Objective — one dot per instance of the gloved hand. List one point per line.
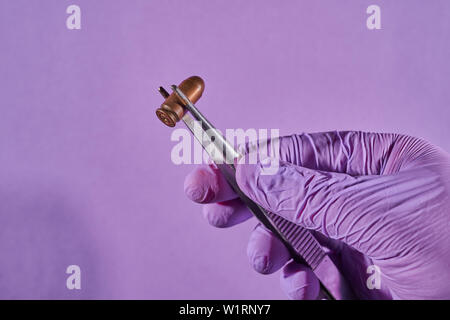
(372, 199)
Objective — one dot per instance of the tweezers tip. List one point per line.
(163, 92)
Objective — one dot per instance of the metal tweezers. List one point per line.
(301, 243)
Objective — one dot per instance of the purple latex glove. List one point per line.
(372, 199)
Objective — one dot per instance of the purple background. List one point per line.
(85, 170)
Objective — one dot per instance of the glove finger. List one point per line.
(299, 282)
(226, 214)
(265, 252)
(351, 152)
(206, 184)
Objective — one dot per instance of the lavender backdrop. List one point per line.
(85, 170)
